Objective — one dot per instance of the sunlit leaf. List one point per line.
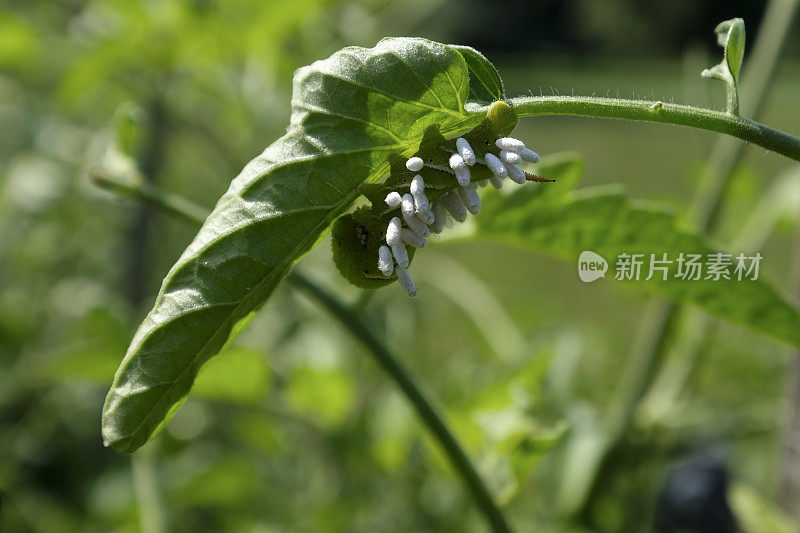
(485, 84)
(349, 112)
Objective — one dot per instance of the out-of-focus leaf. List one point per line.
(756, 514)
(230, 481)
(238, 375)
(18, 43)
(518, 438)
(605, 221)
(91, 349)
(349, 112)
(325, 396)
(127, 128)
(778, 202)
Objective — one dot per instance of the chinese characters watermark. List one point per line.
(663, 266)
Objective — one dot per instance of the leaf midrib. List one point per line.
(414, 103)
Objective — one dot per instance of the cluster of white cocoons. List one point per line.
(418, 217)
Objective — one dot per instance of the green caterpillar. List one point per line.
(440, 179)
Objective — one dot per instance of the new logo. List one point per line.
(591, 266)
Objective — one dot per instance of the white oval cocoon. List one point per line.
(400, 254)
(529, 155)
(439, 217)
(405, 281)
(471, 199)
(385, 261)
(511, 144)
(409, 215)
(417, 185)
(393, 199)
(457, 162)
(510, 157)
(465, 151)
(426, 216)
(421, 204)
(496, 166)
(393, 232)
(515, 173)
(409, 237)
(455, 206)
(415, 164)
(463, 176)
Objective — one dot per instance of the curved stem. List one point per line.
(427, 413)
(663, 322)
(431, 418)
(666, 113)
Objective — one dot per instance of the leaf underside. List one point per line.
(349, 112)
(564, 224)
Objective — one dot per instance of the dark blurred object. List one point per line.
(694, 498)
(624, 27)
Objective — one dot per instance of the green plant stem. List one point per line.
(660, 323)
(727, 153)
(732, 100)
(136, 188)
(150, 159)
(665, 113)
(431, 418)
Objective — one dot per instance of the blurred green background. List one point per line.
(294, 428)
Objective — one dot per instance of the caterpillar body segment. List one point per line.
(441, 177)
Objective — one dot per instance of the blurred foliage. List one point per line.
(293, 429)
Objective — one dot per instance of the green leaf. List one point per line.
(238, 375)
(19, 42)
(512, 414)
(325, 396)
(756, 513)
(127, 122)
(731, 36)
(485, 84)
(607, 222)
(349, 112)
(228, 481)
